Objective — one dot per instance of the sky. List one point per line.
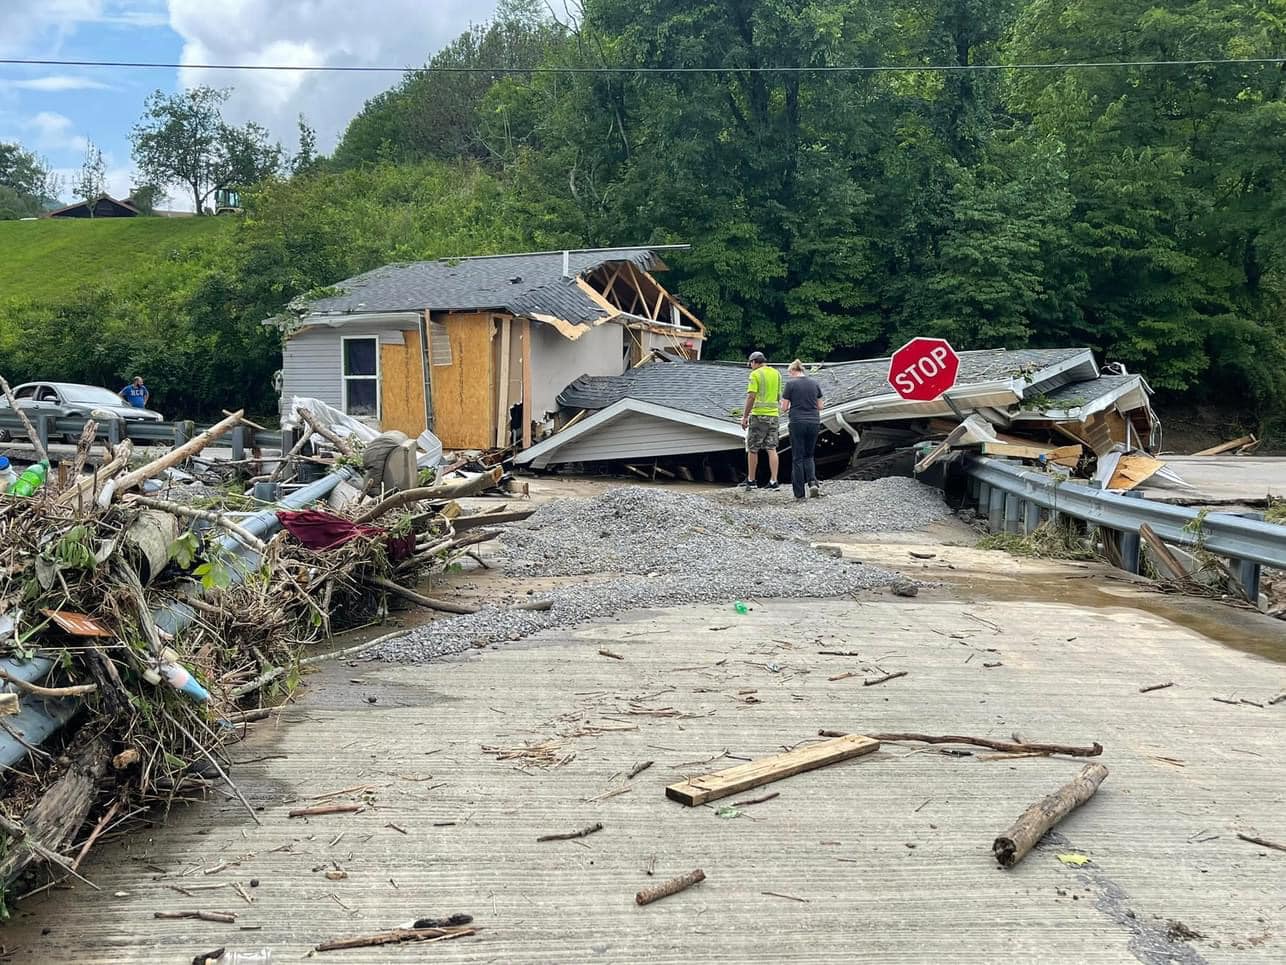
(57, 111)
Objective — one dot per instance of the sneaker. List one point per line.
(774, 485)
(814, 490)
(748, 484)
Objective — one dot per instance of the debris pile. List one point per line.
(132, 627)
(638, 547)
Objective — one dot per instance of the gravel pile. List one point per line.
(653, 547)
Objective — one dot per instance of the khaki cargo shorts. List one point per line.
(763, 433)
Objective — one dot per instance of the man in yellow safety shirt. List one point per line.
(761, 419)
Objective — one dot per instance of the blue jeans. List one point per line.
(803, 444)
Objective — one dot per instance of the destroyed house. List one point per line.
(477, 349)
(679, 408)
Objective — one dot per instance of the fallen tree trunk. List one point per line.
(177, 454)
(54, 820)
(1013, 747)
(341, 444)
(418, 598)
(447, 490)
(1013, 845)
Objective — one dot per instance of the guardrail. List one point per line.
(53, 428)
(1017, 500)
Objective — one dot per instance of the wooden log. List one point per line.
(671, 887)
(1013, 845)
(418, 598)
(491, 519)
(32, 434)
(54, 820)
(178, 454)
(338, 442)
(74, 495)
(711, 787)
(396, 937)
(219, 519)
(1169, 562)
(1094, 750)
(454, 489)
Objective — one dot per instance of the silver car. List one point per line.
(71, 400)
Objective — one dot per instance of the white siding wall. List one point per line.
(556, 361)
(310, 363)
(635, 435)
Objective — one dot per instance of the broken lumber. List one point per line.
(1132, 470)
(671, 887)
(395, 937)
(177, 454)
(1013, 845)
(461, 523)
(93, 481)
(448, 490)
(1094, 750)
(711, 787)
(325, 809)
(1227, 446)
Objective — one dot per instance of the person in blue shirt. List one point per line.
(136, 393)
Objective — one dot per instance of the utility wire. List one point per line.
(838, 69)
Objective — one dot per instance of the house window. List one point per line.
(362, 375)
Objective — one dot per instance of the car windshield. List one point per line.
(89, 393)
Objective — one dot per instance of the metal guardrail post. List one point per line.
(115, 431)
(996, 509)
(238, 443)
(44, 425)
(181, 433)
(1130, 548)
(1031, 516)
(1248, 573)
(984, 496)
(1012, 515)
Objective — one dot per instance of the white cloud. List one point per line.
(56, 83)
(328, 32)
(54, 132)
(23, 20)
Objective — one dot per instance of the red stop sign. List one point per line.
(923, 368)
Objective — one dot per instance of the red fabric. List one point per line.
(322, 531)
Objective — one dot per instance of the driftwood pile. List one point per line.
(92, 573)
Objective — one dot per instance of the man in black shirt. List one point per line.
(801, 400)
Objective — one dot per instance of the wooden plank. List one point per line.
(502, 386)
(402, 385)
(1132, 470)
(528, 415)
(734, 780)
(1227, 446)
(464, 408)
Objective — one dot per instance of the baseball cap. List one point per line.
(757, 357)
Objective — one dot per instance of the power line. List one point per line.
(838, 69)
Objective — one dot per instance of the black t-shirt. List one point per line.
(802, 393)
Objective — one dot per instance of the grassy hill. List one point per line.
(47, 258)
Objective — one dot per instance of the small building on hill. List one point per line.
(103, 206)
(478, 349)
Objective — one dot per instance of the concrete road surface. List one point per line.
(460, 766)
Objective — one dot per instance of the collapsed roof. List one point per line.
(544, 285)
(674, 407)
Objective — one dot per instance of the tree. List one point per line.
(305, 158)
(183, 139)
(145, 197)
(92, 179)
(26, 184)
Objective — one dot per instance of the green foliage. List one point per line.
(1049, 541)
(183, 551)
(26, 183)
(183, 140)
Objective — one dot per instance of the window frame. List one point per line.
(345, 378)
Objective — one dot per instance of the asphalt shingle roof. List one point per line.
(524, 285)
(717, 389)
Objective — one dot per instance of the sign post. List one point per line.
(923, 369)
